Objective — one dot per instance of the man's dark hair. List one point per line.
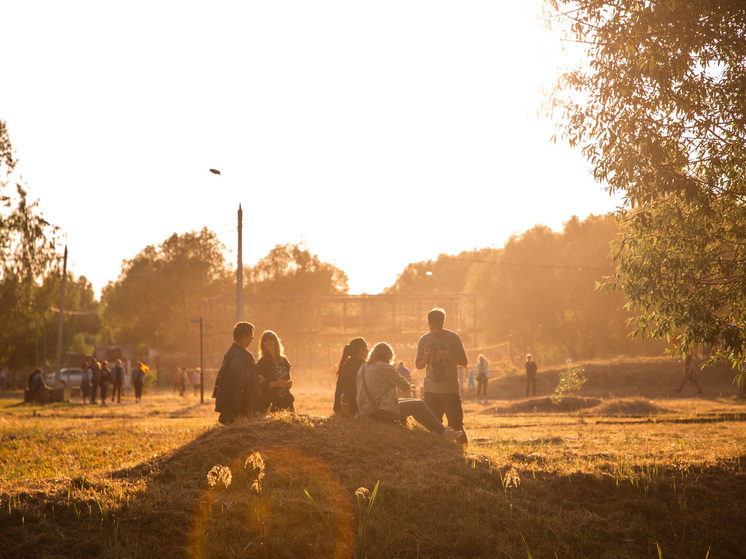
(242, 329)
(436, 316)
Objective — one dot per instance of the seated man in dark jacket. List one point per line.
(237, 387)
(36, 385)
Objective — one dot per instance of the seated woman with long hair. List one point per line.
(353, 356)
(274, 368)
(377, 383)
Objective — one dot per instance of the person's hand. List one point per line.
(289, 383)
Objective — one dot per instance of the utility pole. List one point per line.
(239, 271)
(58, 360)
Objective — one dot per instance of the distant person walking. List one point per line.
(353, 356)
(95, 380)
(689, 374)
(483, 376)
(530, 375)
(377, 385)
(118, 381)
(274, 368)
(440, 352)
(237, 389)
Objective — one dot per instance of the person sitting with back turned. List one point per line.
(377, 383)
(237, 386)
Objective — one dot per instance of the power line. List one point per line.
(526, 265)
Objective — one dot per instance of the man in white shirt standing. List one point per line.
(441, 352)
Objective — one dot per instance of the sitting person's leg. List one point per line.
(411, 407)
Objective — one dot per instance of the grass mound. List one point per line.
(549, 404)
(309, 486)
(628, 407)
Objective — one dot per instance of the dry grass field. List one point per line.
(626, 467)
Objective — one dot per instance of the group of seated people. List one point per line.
(367, 383)
(370, 388)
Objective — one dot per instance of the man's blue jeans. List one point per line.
(448, 404)
(411, 407)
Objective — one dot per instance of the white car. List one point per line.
(71, 378)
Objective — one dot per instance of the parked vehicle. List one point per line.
(71, 378)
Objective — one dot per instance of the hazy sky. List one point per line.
(377, 133)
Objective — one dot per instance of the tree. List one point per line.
(540, 292)
(447, 274)
(293, 270)
(27, 253)
(659, 111)
(149, 304)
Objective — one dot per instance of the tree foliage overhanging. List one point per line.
(659, 110)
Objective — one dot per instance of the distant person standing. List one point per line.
(104, 381)
(183, 381)
(176, 377)
(689, 374)
(138, 379)
(440, 352)
(85, 382)
(354, 355)
(196, 380)
(471, 380)
(483, 376)
(274, 368)
(95, 379)
(118, 381)
(3, 379)
(237, 386)
(530, 374)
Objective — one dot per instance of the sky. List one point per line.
(376, 134)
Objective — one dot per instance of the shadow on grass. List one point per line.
(434, 501)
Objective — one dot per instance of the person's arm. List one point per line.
(422, 357)
(393, 376)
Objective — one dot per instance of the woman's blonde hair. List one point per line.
(270, 335)
(381, 352)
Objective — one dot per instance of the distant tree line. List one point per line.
(539, 292)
